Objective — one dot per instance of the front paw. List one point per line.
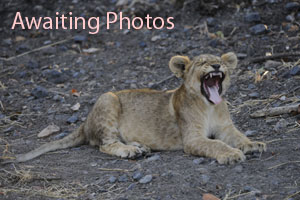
(253, 147)
(231, 157)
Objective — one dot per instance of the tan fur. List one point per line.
(130, 123)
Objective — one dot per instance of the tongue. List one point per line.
(214, 95)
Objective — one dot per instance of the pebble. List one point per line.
(39, 92)
(131, 186)
(55, 76)
(202, 170)
(251, 86)
(72, 119)
(250, 133)
(93, 164)
(290, 18)
(282, 123)
(79, 38)
(61, 135)
(251, 189)
(241, 55)
(238, 169)
(146, 179)
(22, 48)
(211, 21)
(252, 17)
(254, 95)
(49, 51)
(295, 70)
(258, 29)
(204, 179)
(272, 64)
(198, 161)
(153, 158)
(291, 6)
(112, 179)
(32, 64)
(59, 98)
(142, 44)
(123, 178)
(7, 41)
(137, 175)
(155, 38)
(38, 8)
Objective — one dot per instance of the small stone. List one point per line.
(251, 86)
(295, 70)
(38, 8)
(49, 51)
(48, 131)
(72, 119)
(241, 55)
(211, 21)
(252, 17)
(93, 164)
(290, 18)
(146, 179)
(137, 175)
(79, 38)
(291, 6)
(32, 64)
(254, 95)
(272, 64)
(202, 170)
(7, 41)
(123, 178)
(238, 168)
(131, 186)
(204, 179)
(155, 38)
(282, 123)
(153, 158)
(283, 98)
(198, 161)
(55, 76)
(22, 48)
(58, 98)
(258, 29)
(250, 133)
(39, 92)
(112, 179)
(142, 44)
(61, 135)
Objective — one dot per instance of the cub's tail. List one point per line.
(74, 139)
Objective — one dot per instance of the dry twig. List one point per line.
(279, 165)
(35, 50)
(276, 111)
(274, 56)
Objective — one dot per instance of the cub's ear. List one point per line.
(230, 60)
(178, 64)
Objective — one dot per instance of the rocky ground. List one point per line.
(58, 69)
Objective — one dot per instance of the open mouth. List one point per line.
(211, 86)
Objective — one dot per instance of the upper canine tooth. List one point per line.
(210, 74)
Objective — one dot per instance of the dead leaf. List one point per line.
(90, 50)
(75, 93)
(75, 107)
(208, 196)
(48, 131)
(20, 38)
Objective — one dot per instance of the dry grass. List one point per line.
(17, 182)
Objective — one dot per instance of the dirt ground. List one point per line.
(39, 88)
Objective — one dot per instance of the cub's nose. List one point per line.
(216, 66)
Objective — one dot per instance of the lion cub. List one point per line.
(130, 123)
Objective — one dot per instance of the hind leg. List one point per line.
(104, 132)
